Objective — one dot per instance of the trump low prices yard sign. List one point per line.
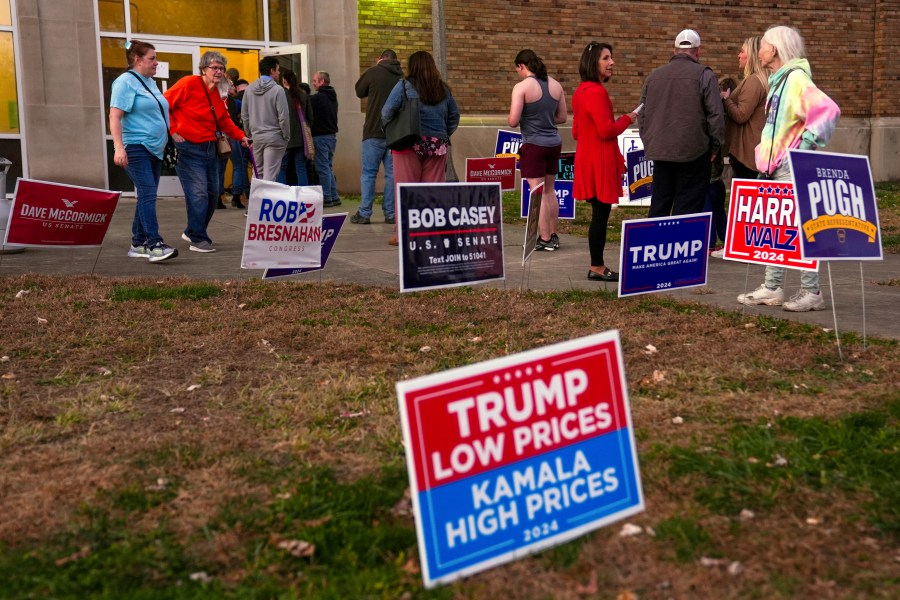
(518, 454)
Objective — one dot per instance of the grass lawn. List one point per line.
(182, 439)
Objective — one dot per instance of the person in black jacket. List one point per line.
(324, 132)
(376, 85)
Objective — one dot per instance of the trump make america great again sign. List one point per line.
(518, 454)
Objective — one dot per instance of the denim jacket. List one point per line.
(436, 120)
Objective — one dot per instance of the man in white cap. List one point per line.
(682, 126)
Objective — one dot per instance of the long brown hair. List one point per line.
(293, 87)
(425, 77)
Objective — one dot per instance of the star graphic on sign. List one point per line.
(762, 189)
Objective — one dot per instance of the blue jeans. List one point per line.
(296, 157)
(374, 153)
(809, 280)
(198, 172)
(144, 169)
(223, 164)
(325, 145)
(240, 159)
(715, 203)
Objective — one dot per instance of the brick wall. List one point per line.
(852, 45)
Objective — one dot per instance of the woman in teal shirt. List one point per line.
(139, 124)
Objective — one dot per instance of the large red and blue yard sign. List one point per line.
(517, 454)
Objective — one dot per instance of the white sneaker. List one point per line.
(185, 237)
(718, 253)
(161, 252)
(804, 301)
(202, 246)
(763, 295)
(138, 252)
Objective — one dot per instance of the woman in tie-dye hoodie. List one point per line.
(798, 115)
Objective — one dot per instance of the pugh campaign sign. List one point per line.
(518, 454)
(837, 208)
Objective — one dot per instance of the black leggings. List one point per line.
(597, 230)
(740, 170)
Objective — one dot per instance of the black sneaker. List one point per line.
(359, 219)
(554, 239)
(545, 245)
(390, 220)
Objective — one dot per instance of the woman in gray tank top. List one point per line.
(538, 106)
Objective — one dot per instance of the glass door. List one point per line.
(175, 61)
(295, 58)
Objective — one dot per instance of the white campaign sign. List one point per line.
(284, 226)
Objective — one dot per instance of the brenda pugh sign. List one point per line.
(518, 454)
(331, 227)
(639, 176)
(836, 202)
(664, 253)
(564, 196)
(284, 226)
(508, 143)
(53, 214)
(496, 169)
(450, 234)
(762, 225)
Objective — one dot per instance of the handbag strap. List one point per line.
(213, 110)
(158, 103)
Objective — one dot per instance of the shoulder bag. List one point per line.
(404, 129)
(170, 154)
(223, 145)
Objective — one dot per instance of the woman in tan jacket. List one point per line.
(745, 111)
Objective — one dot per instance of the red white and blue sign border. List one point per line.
(606, 345)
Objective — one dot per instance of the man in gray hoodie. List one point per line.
(264, 113)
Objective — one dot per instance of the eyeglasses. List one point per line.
(221, 69)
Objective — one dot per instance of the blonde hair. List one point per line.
(753, 66)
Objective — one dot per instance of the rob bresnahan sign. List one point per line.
(518, 454)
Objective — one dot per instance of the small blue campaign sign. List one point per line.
(664, 253)
(639, 176)
(508, 144)
(518, 454)
(836, 204)
(331, 227)
(563, 191)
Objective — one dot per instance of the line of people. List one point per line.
(291, 131)
(688, 121)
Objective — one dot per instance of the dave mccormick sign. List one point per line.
(53, 214)
(518, 454)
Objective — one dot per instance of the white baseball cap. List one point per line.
(688, 39)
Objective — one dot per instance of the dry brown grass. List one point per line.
(97, 399)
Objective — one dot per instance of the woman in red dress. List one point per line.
(599, 164)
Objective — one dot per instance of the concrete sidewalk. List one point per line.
(361, 255)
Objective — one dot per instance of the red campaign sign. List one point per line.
(763, 226)
(53, 214)
(491, 170)
(475, 419)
